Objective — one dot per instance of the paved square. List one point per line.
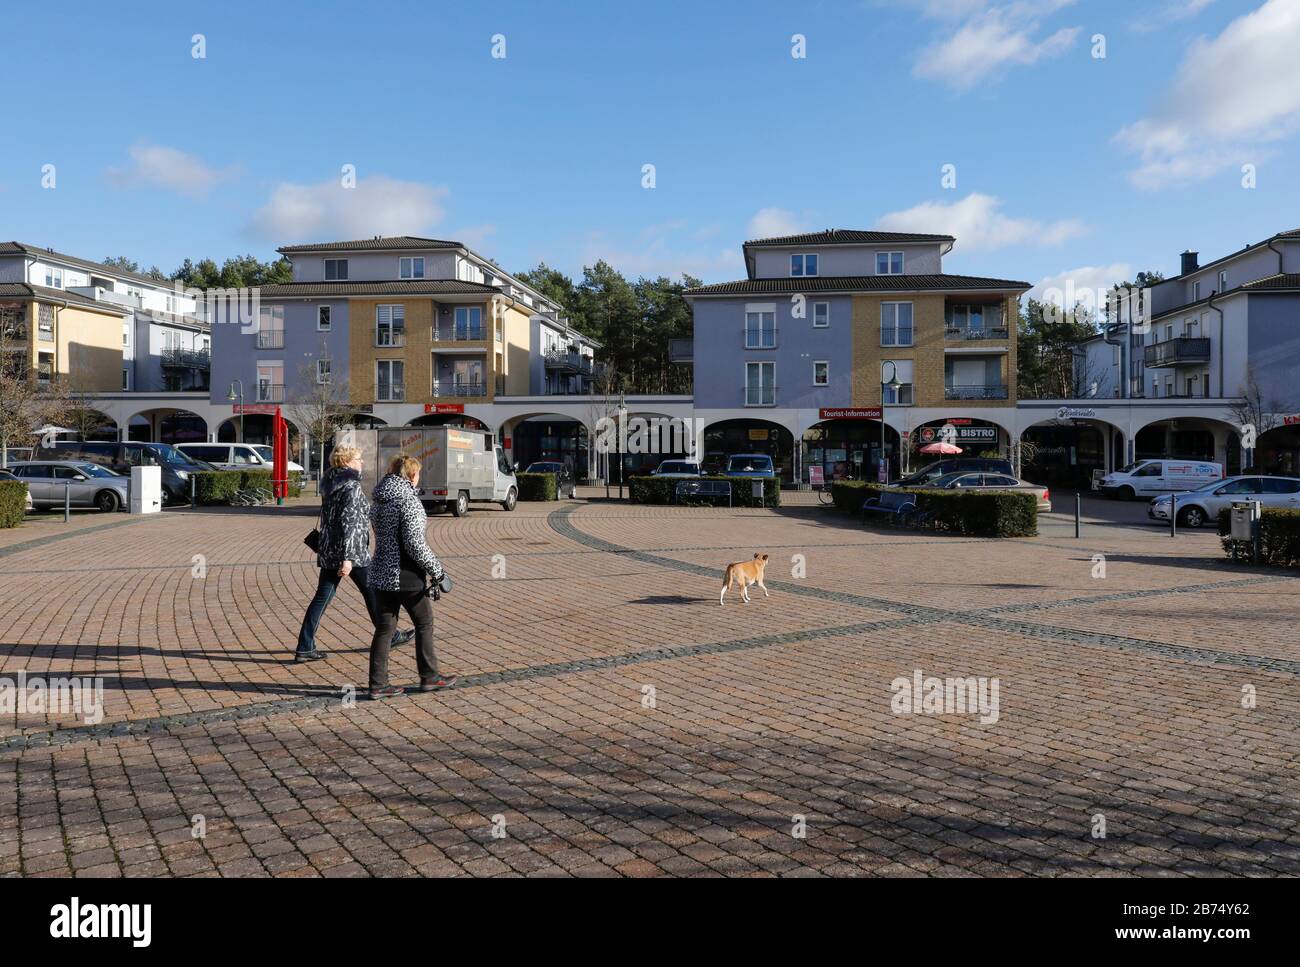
(612, 719)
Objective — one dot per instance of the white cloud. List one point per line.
(157, 166)
(770, 222)
(991, 39)
(978, 224)
(378, 205)
(1086, 278)
(1231, 96)
(1170, 13)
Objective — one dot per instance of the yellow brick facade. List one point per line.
(86, 347)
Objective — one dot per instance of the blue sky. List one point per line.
(1066, 164)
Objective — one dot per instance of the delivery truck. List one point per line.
(457, 466)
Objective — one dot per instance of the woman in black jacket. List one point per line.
(344, 547)
(402, 564)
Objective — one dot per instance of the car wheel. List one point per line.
(1126, 493)
(461, 507)
(512, 497)
(1191, 517)
(106, 501)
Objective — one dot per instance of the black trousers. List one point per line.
(420, 608)
(326, 585)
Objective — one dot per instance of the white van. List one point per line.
(234, 456)
(1150, 478)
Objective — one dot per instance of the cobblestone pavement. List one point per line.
(612, 719)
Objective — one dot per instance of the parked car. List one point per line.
(993, 481)
(564, 482)
(677, 468)
(235, 456)
(83, 484)
(749, 465)
(1150, 478)
(939, 468)
(8, 475)
(121, 457)
(1197, 507)
(714, 464)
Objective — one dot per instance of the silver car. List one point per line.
(50, 482)
(992, 481)
(1197, 507)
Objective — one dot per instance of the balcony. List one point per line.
(270, 339)
(175, 357)
(965, 333)
(681, 350)
(975, 393)
(270, 392)
(760, 338)
(390, 338)
(443, 388)
(461, 333)
(1179, 351)
(568, 362)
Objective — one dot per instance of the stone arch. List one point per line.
(164, 424)
(1190, 438)
(728, 435)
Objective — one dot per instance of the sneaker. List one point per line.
(314, 655)
(402, 637)
(387, 692)
(436, 684)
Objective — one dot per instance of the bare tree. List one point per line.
(321, 406)
(25, 401)
(604, 405)
(1255, 415)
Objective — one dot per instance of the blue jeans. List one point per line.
(326, 585)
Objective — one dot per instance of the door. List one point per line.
(39, 480)
(1248, 488)
(1149, 480)
(1280, 493)
(81, 489)
(505, 476)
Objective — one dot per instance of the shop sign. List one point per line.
(444, 407)
(815, 477)
(248, 408)
(759, 434)
(1075, 413)
(1292, 420)
(850, 413)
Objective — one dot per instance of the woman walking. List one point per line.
(403, 562)
(344, 549)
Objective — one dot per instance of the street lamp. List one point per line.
(893, 385)
(622, 420)
(232, 397)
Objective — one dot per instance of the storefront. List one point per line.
(721, 440)
(1278, 451)
(1063, 454)
(975, 437)
(846, 445)
(550, 438)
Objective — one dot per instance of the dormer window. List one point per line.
(336, 270)
(801, 265)
(889, 263)
(412, 268)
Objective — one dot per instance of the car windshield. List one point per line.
(161, 453)
(677, 466)
(95, 470)
(749, 464)
(1133, 466)
(266, 453)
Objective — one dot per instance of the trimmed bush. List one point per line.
(992, 513)
(537, 486)
(295, 483)
(215, 486)
(663, 490)
(261, 479)
(1279, 537)
(13, 502)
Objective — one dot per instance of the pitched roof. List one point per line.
(379, 243)
(859, 283)
(1288, 280)
(383, 287)
(24, 290)
(847, 236)
(36, 251)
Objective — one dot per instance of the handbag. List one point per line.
(312, 540)
(438, 588)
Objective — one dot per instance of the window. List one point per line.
(896, 324)
(889, 263)
(53, 277)
(45, 323)
(972, 319)
(1223, 281)
(390, 325)
(821, 315)
(760, 327)
(760, 386)
(44, 367)
(270, 382)
(411, 268)
(821, 373)
(1196, 291)
(801, 265)
(390, 384)
(126, 379)
(336, 270)
(322, 370)
(1276, 485)
(323, 318)
(469, 322)
(500, 327)
(1248, 485)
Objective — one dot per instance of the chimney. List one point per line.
(1191, 262)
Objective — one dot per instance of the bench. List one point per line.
(891, 502)
(703, 488)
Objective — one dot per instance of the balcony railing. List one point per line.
(896, 336)
(270, 392)
(760, 338)
(391, 393)
(760, 396)
(270, 339)
(681, 350)
(1179, 351)
(569, 362)
(454, 333)
(459, 387)
(975, 392)
(390, 338)
(965, 332)
(175, 357)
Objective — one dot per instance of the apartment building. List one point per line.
(799, 359)
(61, 337)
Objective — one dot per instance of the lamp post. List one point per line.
(232, 397)
(622, 423)
(893, 385)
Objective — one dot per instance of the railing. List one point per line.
(458, 387)
(455, 333)
(975, 392)
(390, 338)
(896, 336)
(181, 358)
(396, 394)
(270, 339)
(965, 332)
(760, 338)
(1180, 349)
(16, 333)
(760, 396)
(681, 350)
(573, 362)
(45, 332)
(270, 392)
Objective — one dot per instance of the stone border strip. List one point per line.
(53, 538)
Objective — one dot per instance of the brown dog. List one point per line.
(747, 573)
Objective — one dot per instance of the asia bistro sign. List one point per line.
(850, 413)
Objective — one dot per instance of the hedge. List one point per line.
(992, 513)
(1279, 537)
(537, 486)
(663, 490)
(13, 502)
(215, 486)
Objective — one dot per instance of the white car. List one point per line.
(678, 468)
(235, 456)
(1197, 507)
